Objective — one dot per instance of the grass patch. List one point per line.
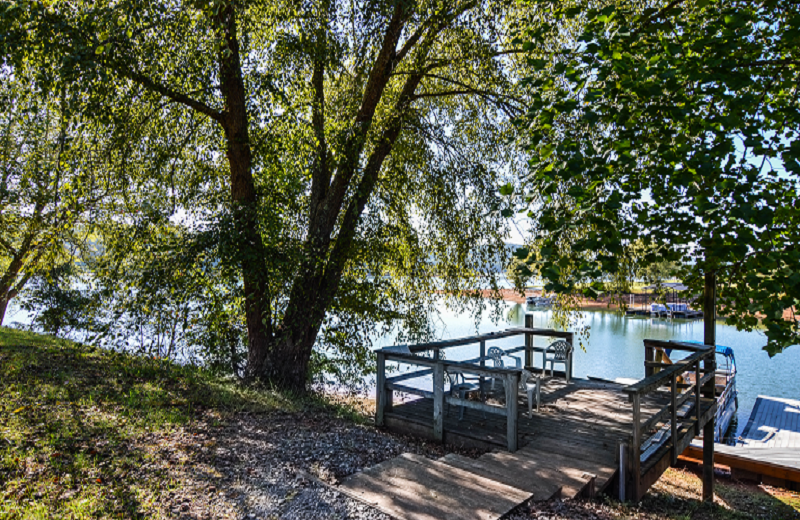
(74, 419)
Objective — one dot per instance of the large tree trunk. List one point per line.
(244, 196)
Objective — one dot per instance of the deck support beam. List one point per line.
(380, 390)
(709, 391)
(438, 402)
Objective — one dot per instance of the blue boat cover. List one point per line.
(721, 349)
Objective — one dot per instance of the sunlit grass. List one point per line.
(74, 419)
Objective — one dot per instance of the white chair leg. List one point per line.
(529, 391)
(538, 393)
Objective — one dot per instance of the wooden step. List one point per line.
(604, 470)
(412, 487)
(541, 490)
(574, 481)
(576, 449)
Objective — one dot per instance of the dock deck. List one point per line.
(586, 420)
(774, 423)
(585, 437)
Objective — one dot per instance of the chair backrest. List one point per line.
(398, 349)
(524, 376)
(496, 355)
(561, 349)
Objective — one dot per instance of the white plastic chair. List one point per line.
(460, 385)
(495, 355)
(558, 352)
(531, 384)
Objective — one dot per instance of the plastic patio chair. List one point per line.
(460, 385)
(558, 352)
(531, 384)
(495, 355)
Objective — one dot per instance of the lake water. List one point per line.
(615, 349)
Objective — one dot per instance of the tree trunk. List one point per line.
(4, 301)
(244, 196)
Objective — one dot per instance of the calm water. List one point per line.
(615, 349)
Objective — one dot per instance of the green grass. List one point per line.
(73, 419)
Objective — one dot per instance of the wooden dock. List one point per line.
(586, 436)
(767, 452)
(774, 423)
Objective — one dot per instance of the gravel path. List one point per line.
(256, 466)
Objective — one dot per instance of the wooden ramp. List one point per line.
(412, 487)
(774, 423)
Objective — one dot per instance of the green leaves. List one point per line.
(664, 126)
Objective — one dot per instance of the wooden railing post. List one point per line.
(512, 387)
(438, 402)
(635, 453)
(697, 398)
(571, 341)
(623, 470)
(709, 430)
(380, 390)
(674, 418)
(649, 355)
(528, 341)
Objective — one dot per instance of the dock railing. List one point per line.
(659, 436)
(437, 367)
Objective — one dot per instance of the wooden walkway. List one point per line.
(773, 423)
(412, 487)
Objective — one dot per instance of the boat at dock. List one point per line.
(727, 395)
(539, 301)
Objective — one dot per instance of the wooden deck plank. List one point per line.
(410, 488)
(774, 423)
(572, 480)
(541, 490)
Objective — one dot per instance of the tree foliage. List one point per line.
(334, 162)
(51, 180)
(674, 125)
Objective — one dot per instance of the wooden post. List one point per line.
(528, 341)
(512, 387)
(438, 402)
(710, 309)
(710, 366)
(571, 341)
(674, 418)
(623, 470)
(380, 390)
(697, 377)
(649, 355)
(635, 452)
(708, 461)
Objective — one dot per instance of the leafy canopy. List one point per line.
(673, 126)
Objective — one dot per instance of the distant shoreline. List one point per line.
(601, 304)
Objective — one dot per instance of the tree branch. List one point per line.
(321, 176)
(178, 97)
